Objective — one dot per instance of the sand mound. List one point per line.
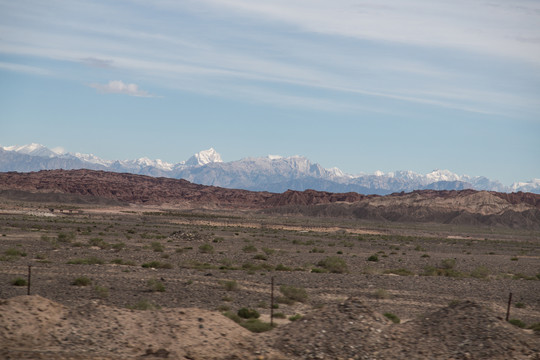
(34, 327)
(351, 330)
(464, 330)
(336, 331)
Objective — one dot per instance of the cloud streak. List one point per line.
(24, 68)
(119, 87)
(419, 52)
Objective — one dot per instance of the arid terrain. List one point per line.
(132, 267)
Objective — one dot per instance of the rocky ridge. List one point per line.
(456, 207)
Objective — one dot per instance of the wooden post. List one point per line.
(29, 278)
(508, 309)
(272, 303)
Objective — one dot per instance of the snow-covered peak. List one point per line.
(31, 149)
(91, 158)
(204, 157)
(527, 186)
(275, 157)
(337, 172)
(160, 164)
(442, 175)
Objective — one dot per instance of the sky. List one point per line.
(359, 85)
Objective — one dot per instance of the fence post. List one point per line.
(29, 279)
(272, 304)
(508, 309)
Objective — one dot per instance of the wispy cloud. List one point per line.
(419, 51)
(98, 63)
(24, 68)
(119, 87)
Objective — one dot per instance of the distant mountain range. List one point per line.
(271, 173)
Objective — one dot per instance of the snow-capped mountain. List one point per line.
(272, 173)
(204, 157)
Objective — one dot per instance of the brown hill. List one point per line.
(468, 207)
(519, 210)
(139, 189)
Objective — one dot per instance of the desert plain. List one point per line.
(135, 281)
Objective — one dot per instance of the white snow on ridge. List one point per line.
(260, 172)
(91, 158)
(204, 157)
(160, 164)
(526, 186)
(442, 175)
(31, 149)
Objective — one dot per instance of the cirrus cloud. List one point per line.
(119, 87)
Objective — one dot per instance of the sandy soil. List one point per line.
(216, 262)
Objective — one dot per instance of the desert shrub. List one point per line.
(316, 250)
(480, 272)
(14, 252)
(234, 317)
(518, 323)
(81, 281)
(118, 246)
(260, 257)
(119, 261)
(535, 327)
(246, 313)
(284, 300)
(382, 294)
(144, 305)
(334, 264)
(154, 285)
(425, 255)
(318, 270)
(448, 264)
(520, 276)
(373, 257)
(65, 237)
(400, 272)
(223, 308)
(249, 249)
(99, 242)
(395, 319)
(294, 293)
(206, 249)
(230, 285)
(157, 247)
(295, 317)
(19, 282)
(446, 268)
(515, 258)
(520, 305)
(268, 251)
(281, 267)
(101, 291)
(92, 260)
(280, 315)
(256, 325)
(157, 265)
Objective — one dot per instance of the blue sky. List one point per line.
(361, 85)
